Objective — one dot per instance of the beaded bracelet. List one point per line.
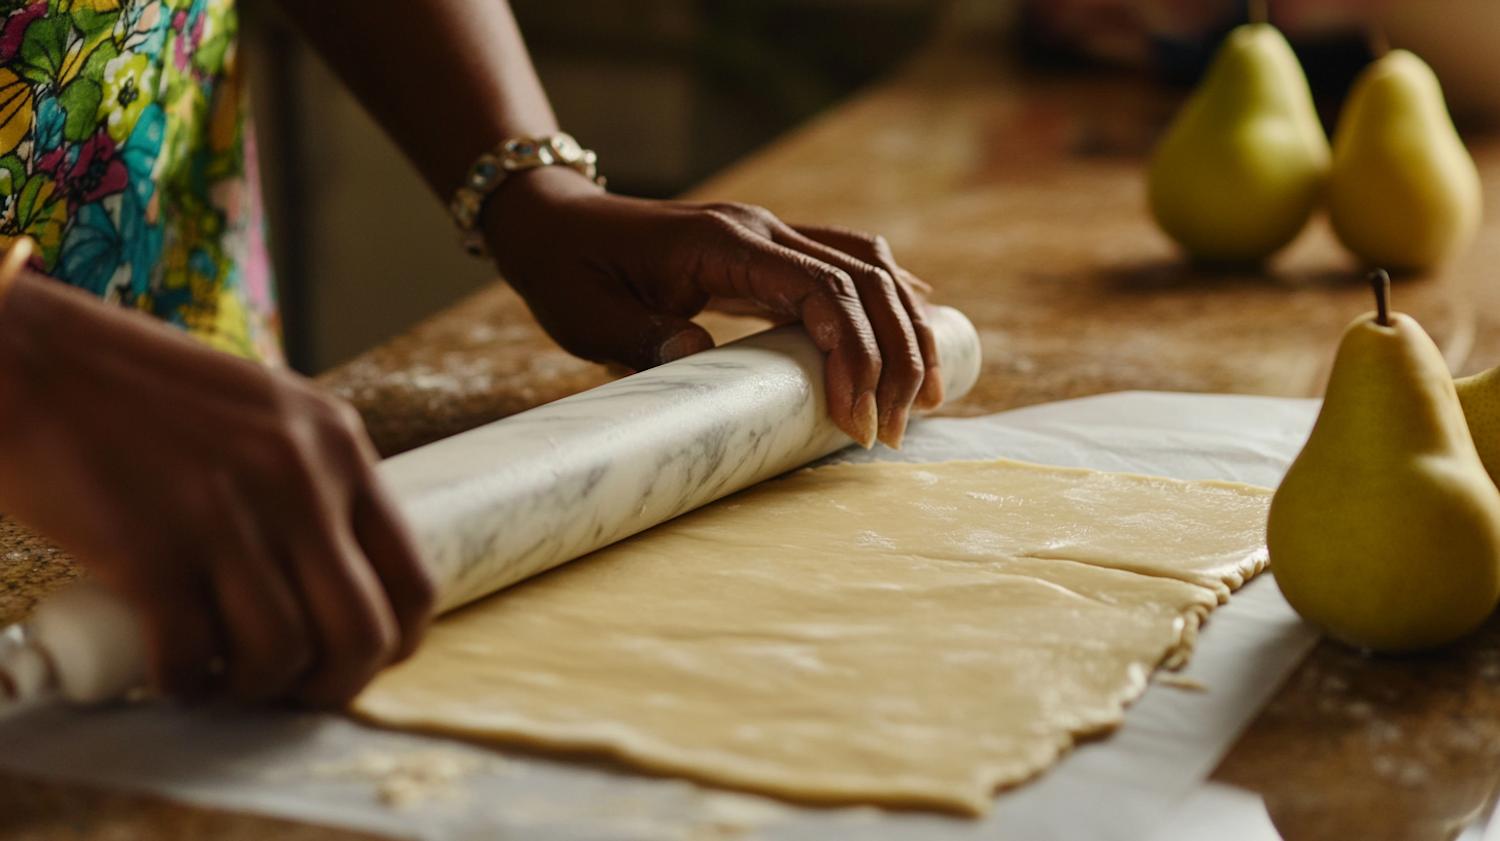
(491, 169)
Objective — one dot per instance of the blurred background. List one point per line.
(669, 92)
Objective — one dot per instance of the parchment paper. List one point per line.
(1137, 783)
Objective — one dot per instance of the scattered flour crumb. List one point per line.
(406, 780)
(686, 814)
(729, 814)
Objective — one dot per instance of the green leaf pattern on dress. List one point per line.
(125, 152)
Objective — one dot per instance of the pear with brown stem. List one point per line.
(1385, 532)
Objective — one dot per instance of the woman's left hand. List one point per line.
(616, 279)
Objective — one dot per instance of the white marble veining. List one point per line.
(506, 501)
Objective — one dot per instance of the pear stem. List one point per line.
(1381, 281)
(1378, 43)
(1259, 11)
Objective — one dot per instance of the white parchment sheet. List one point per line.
(1134, 785)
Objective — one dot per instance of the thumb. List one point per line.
(668, 338)
(625, 331)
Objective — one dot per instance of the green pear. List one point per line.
(1386, 530)
(1403, 191)
(1480, 397)
(1241, 168)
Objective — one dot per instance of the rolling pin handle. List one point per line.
(94, 641)
(25, 672)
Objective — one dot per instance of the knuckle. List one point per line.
(278, 438)
(719, 224)
(835, 280)
(733, 251)
(879, 280)
(264, 390)
(290, 457)
(759, 215)
(311, 437)
(347, 443)
(879, 246)
(346, 416)
(733, 209)
(330, 415)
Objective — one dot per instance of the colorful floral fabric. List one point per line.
(125, 153)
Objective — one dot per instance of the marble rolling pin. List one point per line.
(503, 502)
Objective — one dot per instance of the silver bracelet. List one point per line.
(491, 169)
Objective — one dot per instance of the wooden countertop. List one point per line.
(1022, 200)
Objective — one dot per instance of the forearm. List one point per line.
(447, 79)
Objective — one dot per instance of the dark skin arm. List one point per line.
(614, 278)
(235, 506)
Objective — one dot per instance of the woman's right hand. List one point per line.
(235, 506)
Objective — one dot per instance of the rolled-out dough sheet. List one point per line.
(899, 634)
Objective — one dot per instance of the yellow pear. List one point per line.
(1386, 530)
(1240, 169)
(1403, 191)
(1480, 397)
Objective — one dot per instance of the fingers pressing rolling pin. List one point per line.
(614, 278)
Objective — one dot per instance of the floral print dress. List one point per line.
(125, 153)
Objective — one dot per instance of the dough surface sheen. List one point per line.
(898, 634)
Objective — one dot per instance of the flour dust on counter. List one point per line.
(916, 635)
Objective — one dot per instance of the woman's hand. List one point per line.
(616, 279)
(612, 278)
(236, 507)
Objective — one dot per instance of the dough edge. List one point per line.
(650, 756)
(643, 754)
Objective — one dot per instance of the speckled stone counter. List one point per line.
(480, 361)
(1021, 199)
